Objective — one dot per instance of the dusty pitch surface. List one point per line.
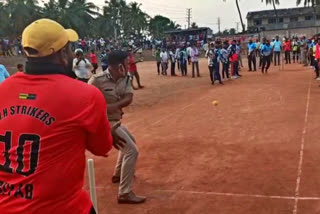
(256, 152)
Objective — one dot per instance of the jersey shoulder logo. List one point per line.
(24, 96)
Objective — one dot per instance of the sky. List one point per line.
(204, 12)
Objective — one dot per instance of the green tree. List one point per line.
(6, 27)
(159, 24)
(19, 14)
(194, 25)
(117, 17)
(135, 21)
(115, 11)
(225, 32)
(232, 31)
(76, 14)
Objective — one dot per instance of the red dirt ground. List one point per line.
(193, 154)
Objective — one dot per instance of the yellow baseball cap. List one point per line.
(46, 37)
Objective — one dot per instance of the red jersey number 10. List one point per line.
(35, 147)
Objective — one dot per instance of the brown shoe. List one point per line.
(131, 198)
(115, 179)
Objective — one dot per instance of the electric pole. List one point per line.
(189, 10)
(237, 26)
(219, 24)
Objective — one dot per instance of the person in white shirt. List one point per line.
(172, 55)
(212, 55)
(102, 43)
(82, 67)
(195, 61)
(177, 57)
(164, 61)
(189, 54)
(89, 44)
(94, 45)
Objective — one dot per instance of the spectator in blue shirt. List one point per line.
(277, 46)
(252, 55)
(3, 73)
(104, 59)
(266, 51)
(311, 52)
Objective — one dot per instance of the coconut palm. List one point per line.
(76, 14)
(81, 15)
(159, 24)
(273, 2)
(20, 14)
(311, 3)
(240, 15)
(136, 19)
(6, 27)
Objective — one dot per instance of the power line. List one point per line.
(189, 10)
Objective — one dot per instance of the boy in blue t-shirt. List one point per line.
(252, 55)
(3, 73)
(104, 60)
(277, 46)
(266, 51)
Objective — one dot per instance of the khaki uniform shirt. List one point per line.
(113, 91)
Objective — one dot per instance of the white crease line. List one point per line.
(304, 130)
(239, 195)
(171, 114)
(243, 195)
(232, 194)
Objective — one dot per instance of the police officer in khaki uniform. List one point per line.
(117, 90)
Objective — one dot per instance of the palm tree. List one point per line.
(21, 13)
(313, 4)
(239, 11)
(138, 20)
(273, 2)
(116, 10)
(76, 14)
(309, 2)
(6, 27)
(82, 16)
(159, 24)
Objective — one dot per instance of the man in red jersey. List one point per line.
(133, 70)
(46, 125)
